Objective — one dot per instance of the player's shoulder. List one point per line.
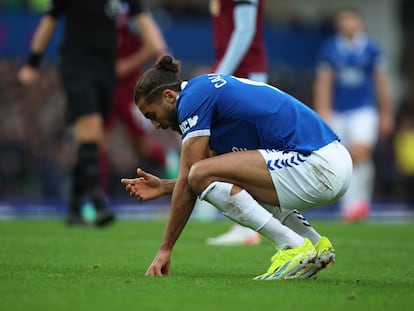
(195, 88)
(196, 93)
(196, 83)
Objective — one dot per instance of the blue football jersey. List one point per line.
(353, 68)
(240, 114)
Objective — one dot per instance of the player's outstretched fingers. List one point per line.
(141, 173)
(127, 181)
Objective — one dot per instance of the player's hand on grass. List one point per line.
(145, 187)
(160, 266)
(27, 75)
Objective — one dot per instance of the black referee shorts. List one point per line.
(88, 84)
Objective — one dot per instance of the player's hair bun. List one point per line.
(164, 74)
(167, 63)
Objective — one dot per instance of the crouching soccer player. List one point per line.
(251, 150)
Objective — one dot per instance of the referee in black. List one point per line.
(87, 69)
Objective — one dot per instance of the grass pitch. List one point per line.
(47, 266)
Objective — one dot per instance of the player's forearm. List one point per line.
(385, 106)
(383, 91)
(182, 204)
(183, 197)
(43, 34)
(322, 103)
(168, 186)
(323, 95)
(134, 62)
(151, 34)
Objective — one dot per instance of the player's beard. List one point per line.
(172, 121)
(175, 127)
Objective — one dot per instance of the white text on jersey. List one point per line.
(218, 80)
(188, 124)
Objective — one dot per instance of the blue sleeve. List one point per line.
(378, 59)
(195, 115)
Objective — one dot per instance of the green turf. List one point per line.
(47, 266)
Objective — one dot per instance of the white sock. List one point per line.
(243, 230)
(280, 235)
(243, 209)
(295, 221)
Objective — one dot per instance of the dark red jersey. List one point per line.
(255, 60)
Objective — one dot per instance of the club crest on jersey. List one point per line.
(188, 124)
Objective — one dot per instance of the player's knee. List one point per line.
(89, 129)
(199, 177)
(360, 153)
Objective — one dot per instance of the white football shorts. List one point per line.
(357, 126)
(302, 182)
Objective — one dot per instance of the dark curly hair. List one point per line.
(163, 75)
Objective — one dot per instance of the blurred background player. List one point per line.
(240, 51)
(352, 93)
(132, 56)
(87, 68)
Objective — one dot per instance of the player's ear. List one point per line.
(170, 95)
